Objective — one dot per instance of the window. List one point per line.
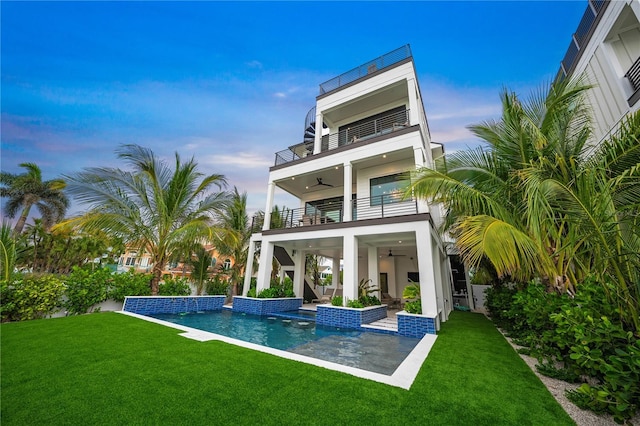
(131, 261)
(227, 264)
(388, 189)
(213, 261)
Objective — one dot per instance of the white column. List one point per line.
(350, 272)
(424, 253)
(467, 278)
(248, 271)
(372, 269)
(437, 276)
(317, 143)
(414, 109)
(335, 270)
(264, 270)
(348, 188)
(423, 206)
(447, 284)
(267, 210)
(298, 273)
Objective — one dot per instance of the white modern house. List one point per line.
(605, 49)
(367, 131)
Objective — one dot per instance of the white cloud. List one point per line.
(280, 95)
(450, 110)
(254, 64)
(245, 160)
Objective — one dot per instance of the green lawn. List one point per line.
(112, 369)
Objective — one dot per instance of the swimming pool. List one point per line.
(375, 352)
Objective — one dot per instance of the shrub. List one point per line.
(251, 292)
(498, 301)
(355, 304)
(336, 300)
(576, 337)
(7, 301)
(413, 307)
(129, 284)
(277, 289)
(219, 286)
(600, 346)
(85, 289)
(32, 297)
(275, 292)
(369, 300)
(174, 287)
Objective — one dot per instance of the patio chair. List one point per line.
(390, 301)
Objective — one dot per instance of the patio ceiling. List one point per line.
(399, 243)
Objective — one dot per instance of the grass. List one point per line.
(112, 369)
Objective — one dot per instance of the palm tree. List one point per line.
(200, 263)
(536, 202)
(7, 252)
(28, 189)
(152, 206)
(232, 238)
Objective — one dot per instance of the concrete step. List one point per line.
(383, 324)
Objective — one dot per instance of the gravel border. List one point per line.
(557, 388)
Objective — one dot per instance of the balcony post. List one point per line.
(428, 281)
(348, 188)
(269, 206)
(421, 204)
(350, 271)
(298, 273)
(264, 270)
(317, 142)
(414, 109)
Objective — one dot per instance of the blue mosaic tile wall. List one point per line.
(172, 304)
(415, 326)
(348, 318)
(256, 306)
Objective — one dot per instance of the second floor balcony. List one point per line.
(379, 207)
(360, 132)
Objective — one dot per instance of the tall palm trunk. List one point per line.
(157, 276)
(17, 230)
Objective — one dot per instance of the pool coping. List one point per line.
(403, 377)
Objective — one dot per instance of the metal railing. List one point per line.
(382, 206)
(364, 131)
(634, 74)
(367, 68)
(287, 156)
(581, 37)
(380, 126)
(362, 208)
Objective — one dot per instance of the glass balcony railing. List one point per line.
(367, 68)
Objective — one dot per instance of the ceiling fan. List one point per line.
(394, 255)
(320, 183)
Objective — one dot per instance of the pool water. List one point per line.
(380, 353)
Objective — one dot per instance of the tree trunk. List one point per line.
(21, 221)
(155, 280)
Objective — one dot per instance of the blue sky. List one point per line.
(230, 83)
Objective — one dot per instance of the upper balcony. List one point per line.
(359, 132)
(366, 69)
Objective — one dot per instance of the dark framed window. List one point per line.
(388, 189)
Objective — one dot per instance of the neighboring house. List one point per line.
(606, 49)
(141, 262)
(366, 132)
